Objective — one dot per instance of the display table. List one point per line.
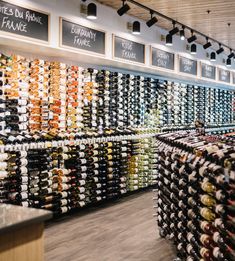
(21, 233)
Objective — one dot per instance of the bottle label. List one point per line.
(82, 196)
(81, 189)
(83, 168)
(24, 195)
(64, 209)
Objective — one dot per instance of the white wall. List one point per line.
(109, 21)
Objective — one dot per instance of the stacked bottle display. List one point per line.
(61, 179)
(195, 195)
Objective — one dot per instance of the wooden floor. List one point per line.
(121, 231)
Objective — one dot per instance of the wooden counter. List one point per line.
(22, 233)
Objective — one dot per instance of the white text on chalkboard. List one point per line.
(25, 16)
(127, 50)
(187, 65)
(163, 59)
(83, 36)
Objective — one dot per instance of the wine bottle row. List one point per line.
(61, 179)
(195, 195)
(52, 98)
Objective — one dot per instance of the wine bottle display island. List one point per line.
(195, 194)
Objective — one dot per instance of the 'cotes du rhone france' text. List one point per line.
(9, 16)
(83, 36)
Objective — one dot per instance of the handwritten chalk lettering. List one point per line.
(128, 50)
(208, 68)
(128, 55)
(187, 68)
(15, 26)
(187, 62)
(82, 32)
(127, 45)
(32, 17)
(81, 42)
(164, 56)
(224, 73)
(24, 22)
(81, 37)
(208, 74)
(19, 14)
(161, 62)
(6, 11)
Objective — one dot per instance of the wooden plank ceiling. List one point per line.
(192, 13)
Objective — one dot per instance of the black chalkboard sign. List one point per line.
(224, 75)
(22, 21)
(81, 37)
(162, 59)
(208, 71)
(129, 50)
(188, 66)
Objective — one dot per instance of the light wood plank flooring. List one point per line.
(120, 231)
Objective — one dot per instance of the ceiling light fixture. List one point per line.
(136, 27)
(92, 11)
(169, 41)
(175, 30)
(194, 33)
(153, 20)
(229, 62)
(213, 56)
(207, 44)
(125, 8)
(231, 55)
(193, 49)
(220, 50)
(182, 33)
(192, 38)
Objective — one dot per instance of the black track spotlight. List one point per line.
(229, 62)
(125, 8)
(175, 30)
(192, 38)
(220, 50)
(182, 34)
(207, 44)
(153, 20)
(136, 27)
(193, 49)
(169, 41)
(231, 55)
(213, 56)
(92, 11)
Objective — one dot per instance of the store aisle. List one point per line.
(121, 231)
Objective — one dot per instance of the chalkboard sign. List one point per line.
(188, 66)
(224, 75)
(22, 21)
(162, 59)
(129, 50)
(208, 71)
(81, 37)
(233, 78)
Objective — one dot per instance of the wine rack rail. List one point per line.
(71, 142)
(195, 195)
(68, 176)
